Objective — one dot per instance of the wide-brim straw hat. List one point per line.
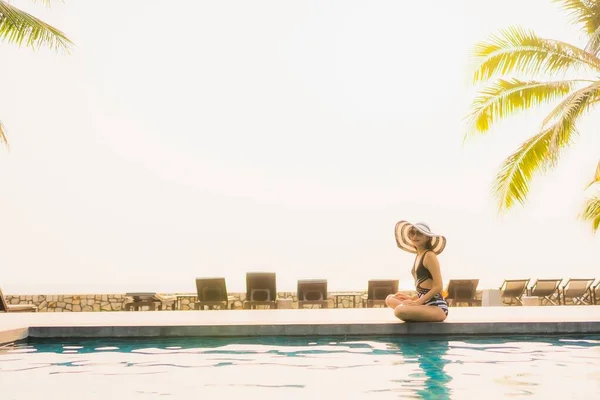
(438, 242)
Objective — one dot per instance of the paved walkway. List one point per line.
(359, 321)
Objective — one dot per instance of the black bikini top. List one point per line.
(422, 273)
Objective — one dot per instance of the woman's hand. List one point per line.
(410, 302)
(402, 296)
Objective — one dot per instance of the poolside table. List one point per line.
(137, 300)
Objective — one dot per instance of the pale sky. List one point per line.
(211, 138)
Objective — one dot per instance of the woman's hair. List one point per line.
(429, 244)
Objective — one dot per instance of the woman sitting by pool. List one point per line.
(429, 304)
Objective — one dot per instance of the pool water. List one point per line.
(304, 368)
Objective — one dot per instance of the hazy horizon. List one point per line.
(219, 138)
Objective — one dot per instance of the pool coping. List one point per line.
(545, 320)
(13, 335)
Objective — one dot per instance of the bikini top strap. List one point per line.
(421, 264)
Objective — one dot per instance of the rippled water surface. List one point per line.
(304, 368)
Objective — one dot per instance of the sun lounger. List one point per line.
(546, 290)
(462, 291)
(378, 290)
(261, 290)
(578, 291)
(166, 302)
(513, 289)
(5, 307)
(596, 292)
(312, 292)
(212, 293)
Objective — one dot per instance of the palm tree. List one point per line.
(21, 28)
(556, 72)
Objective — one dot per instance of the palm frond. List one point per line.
(512, 182)
(574, 105)
(518, 50)
(539, 153)
(47, 3)
(3, 139)
(596, 179)
(593, 44)
(19, 27)
(506, 97)
(583, 12)
(591, 212)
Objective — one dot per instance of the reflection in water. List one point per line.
(352, 368)
(430, 356)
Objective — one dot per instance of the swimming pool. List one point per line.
(304, 368)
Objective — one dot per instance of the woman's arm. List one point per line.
(404, 296)
(433, 265)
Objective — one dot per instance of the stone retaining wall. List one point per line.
(115, 302)
(71, 303)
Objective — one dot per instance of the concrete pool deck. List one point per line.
(317, 322)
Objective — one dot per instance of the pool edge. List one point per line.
(357, 329)
(13, 335)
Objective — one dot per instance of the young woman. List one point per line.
(429, 304)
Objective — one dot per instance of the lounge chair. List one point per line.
(5, 307)
(546, 290)
(513, 289)
(212, 293)
(166, 301)
(312, 291)
(462, 291)
(378, 290)
(596, 292)
(261, 290)
(578, 291)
